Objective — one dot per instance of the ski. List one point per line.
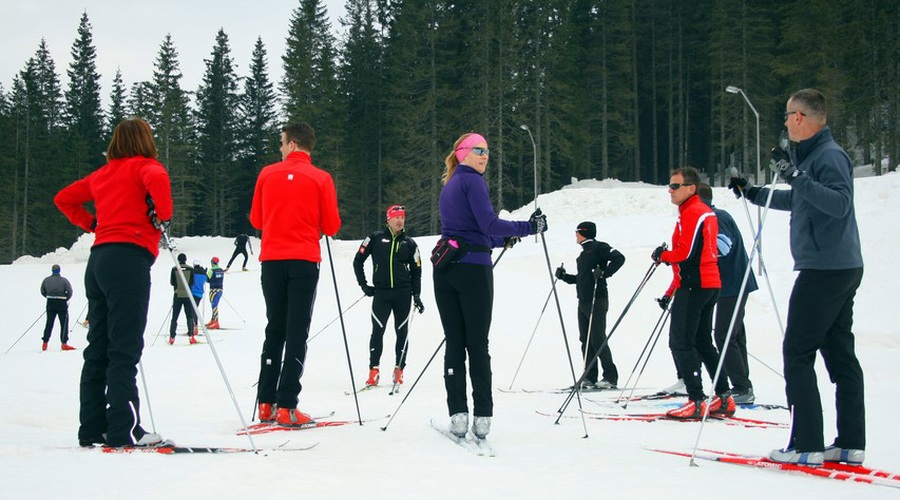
(261, 425)
(267, 428)
(828, 471)
(395, 389)
(470, 443)
(169, 448)
(365, 388)
(655, 417)
(837, 466)
(657, 403)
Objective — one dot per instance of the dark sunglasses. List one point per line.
(789, 113)
(674, 186)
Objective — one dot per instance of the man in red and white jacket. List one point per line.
(294, 202)
(693, 258)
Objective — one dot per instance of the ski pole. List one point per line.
(414, 384)
(26, 331)
(527, 346)
(233, 309)
(753, 253)
(757, 243)
(337, 296)
(147, 395)
(165, 321)
(641, 355)
(169, 246)
(76, 318)
(776, 372)
(664, 317)
(562, 325)
(336, 318)
(637, 292)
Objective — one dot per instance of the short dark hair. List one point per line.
(690, 174)
(812, 101)
(704, 191)
(302, 134)
(132, 137)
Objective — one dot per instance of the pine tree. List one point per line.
(41, 99)
(217, 141)
(84, 116)
(117, 104)
(259, 137)
(169, 114)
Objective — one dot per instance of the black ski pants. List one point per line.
(736, 355)
(289, 289)
(117, 283)
(590, 344)
(238, 251)
(690, 339)
(57, 308)
(464, 294)
(820, 318)
(179, 303)
(386, 301)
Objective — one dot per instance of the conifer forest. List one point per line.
(561, 89)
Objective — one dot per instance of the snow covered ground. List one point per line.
(40, 458)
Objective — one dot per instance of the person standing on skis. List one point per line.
(216, 276)
(58, 291)
(597, 262)
(397, 276)
(241, 243)
(695, 287)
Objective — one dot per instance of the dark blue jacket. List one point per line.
(824, 234)
(216, 277)
(733, 265)
(466, 211)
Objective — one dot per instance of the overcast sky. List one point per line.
(128, 34)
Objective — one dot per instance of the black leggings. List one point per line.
(465, 298)
(396, 300)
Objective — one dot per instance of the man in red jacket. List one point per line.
(294, 202)
(693, 258)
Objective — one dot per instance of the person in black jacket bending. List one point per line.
(597, 262)
(397, 275)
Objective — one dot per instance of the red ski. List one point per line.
(273, 427)
(830, 470)
(653, 417)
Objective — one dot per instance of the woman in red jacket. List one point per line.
(117, 279)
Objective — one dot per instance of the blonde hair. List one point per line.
(451, 161)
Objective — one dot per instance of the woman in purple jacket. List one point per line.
(464, 290)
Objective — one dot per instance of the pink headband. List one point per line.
(468, 143)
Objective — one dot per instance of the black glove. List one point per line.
(560, 272)
(368, 290)
(538, 222)
(657, 253)
(510, 241)
(419, 305)
(741, 187)
(598, 274)
(664, 302)
(782, 165)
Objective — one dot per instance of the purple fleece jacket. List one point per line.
(466, 211)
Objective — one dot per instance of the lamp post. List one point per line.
(731, 89)
(534, 148)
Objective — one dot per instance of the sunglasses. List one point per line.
(481, 151)
(675, 186)
(789, 113)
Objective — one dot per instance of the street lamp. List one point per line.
(534, 148)
(731, 89)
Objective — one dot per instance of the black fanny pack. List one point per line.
(451, 249)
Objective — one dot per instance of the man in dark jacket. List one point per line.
(241, 243)
(397, 275)
(182, 298)
(58, 291)
(597, 262)
(826, 250)
(733, 263)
